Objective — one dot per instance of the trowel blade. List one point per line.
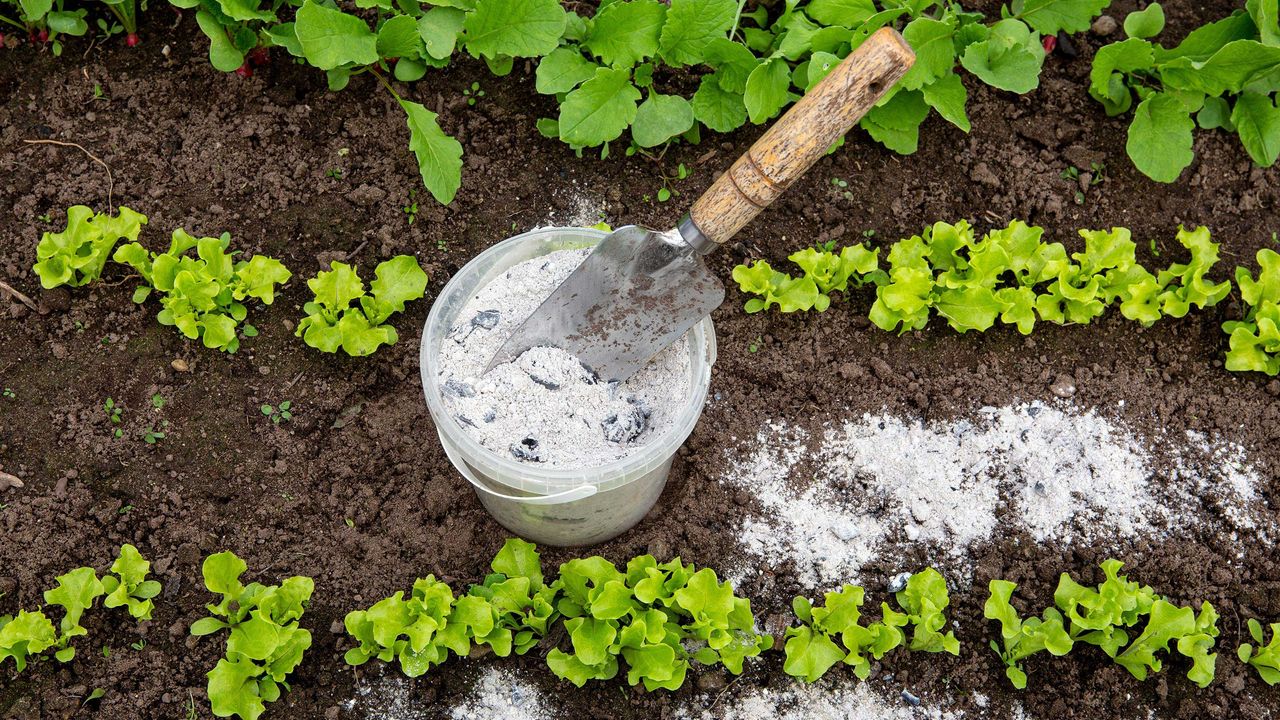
(636, 294)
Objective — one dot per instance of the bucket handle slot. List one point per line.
(580, 492)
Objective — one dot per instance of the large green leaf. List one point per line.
(691, 25)
(1051, 16)
(223, 54)
(767, 89)
(935, 51)
(717, 108)
(439, 28)
(1009, 59)
(398, 38)
(514, 28)
(1160, 137)
(624, 33)
(948, 96)
(439, 156)
(1257, 121)
(660, 118)
(600, 109)
(331, 38)
(563, 70)
(896, 124)
(845, 13)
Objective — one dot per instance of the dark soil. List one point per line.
(367, 507)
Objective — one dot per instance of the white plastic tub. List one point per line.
(555, 506)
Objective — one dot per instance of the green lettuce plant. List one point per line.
(1106, 616)
(75, 593)
(265, 643)
(77, 255)
(1221, 76)
(508, 612)
(332, 322)
(1264, 658)
(26, 635)
(203, 296)
(1255, 340)
(129, 586)
(825, 271)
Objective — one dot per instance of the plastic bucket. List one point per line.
(555, 506)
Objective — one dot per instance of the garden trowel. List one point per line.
(640, 290)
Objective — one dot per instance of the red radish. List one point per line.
(245, 71)
(259, 56)
(1050, 42)
(42, 36)
(132, 39)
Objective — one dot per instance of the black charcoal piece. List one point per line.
(486, 319)
(457, 388)
(489, 415)
(626, 426)
(527, 449)
(463, 419)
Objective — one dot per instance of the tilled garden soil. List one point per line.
(356, 491)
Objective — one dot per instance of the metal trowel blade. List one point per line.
(636, 294)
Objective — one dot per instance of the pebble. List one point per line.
(1063, 386)
(846, 530)
(1104, 25)
(910, 699)
(921, 511)
(180, 365)
(898, 582)
(913, 532)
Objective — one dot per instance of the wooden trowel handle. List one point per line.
(794, 143)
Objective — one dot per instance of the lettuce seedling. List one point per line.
(1023, 638)
(129, 586)
(1183, 285)
(825, 272)
(1194, 635)
(24, 636)
(1264, 658)
(265, 644)
(812, 648)
(1099, 616)
(77, 255)
(656, 617)
(1255, 341)
(776, 288)
(925, 601)
(75, 593)
(332, 321)
(510, 611)
(203, 296)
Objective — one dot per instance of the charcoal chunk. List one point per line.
(486, 319)
(544, 382)
(464, 420)
(527, 450)
(457, 388)
(626, 426)
(489, 415)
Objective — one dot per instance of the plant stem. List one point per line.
(737, 17)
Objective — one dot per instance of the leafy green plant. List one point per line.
(25, 635)
(281, 413)
(1264, 658)
(831, 633)
(332, 321)
(265, 643)
(77, 255)
(1219, 77)
(129, 587)
(508, 612)
(824, 272)
(114, 414)
(1103, 616)
(45, 20)
(1255, 340)
(651, 616)
(202, 296)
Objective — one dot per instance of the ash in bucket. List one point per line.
(545, 408)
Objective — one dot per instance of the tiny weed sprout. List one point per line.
(1103, 616)
(473, 93)
(411, 210)
(333, 322)
(281, 413)
(265, 643)
(77, 255)
(203, 296)
(139, 645)
(151, 436)
(157, 401)
(9, 394)
(115, 414)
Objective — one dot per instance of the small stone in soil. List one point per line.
(527, 449)
(1063, 386)
(457, 388)
(910, 699)
(898, 582)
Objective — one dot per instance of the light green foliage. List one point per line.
(203, 296)
(77, 255)
(1221, 75)
(1009, 275)
(75, 593)
(1023, 638)
(333, 322)
(26, 635)
(265, 643)
(832, 632)
(825, 271)
(1255, 340)
(129, 586)
(655, 616)
(510, 612)
(1264, 658)
(48, 15)
(1105, 616)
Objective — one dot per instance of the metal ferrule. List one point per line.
(692, 235)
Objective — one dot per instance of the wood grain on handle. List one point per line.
(802, 136)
